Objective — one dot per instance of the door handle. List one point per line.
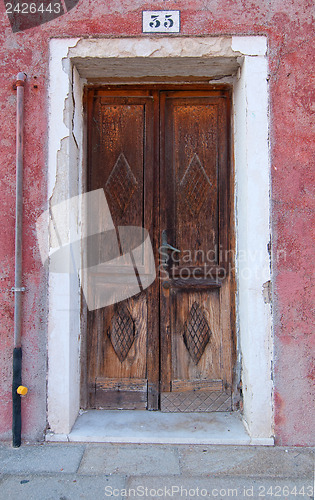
(166, 245)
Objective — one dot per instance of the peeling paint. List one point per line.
(267, 292)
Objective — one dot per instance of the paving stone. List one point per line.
(130, 459)
(185, 488)
(41, 458)
(69, 487)
(251, 461)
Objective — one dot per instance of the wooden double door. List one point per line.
(162, 158)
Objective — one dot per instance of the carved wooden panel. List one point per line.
(121, 184)
(118, 156)
(196, 333)
(191, 401)
(202, 312)
(122, 331)
(195, 186)
(192, 126)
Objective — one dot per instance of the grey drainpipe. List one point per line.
(17, 388)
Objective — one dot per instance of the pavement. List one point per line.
(66, 471)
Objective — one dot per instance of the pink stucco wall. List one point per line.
(291, 61)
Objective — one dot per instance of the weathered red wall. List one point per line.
(291, 59)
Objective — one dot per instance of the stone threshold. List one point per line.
(132, 426)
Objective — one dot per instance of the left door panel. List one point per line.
(120, 145)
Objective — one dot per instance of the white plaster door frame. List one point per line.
(242, 60)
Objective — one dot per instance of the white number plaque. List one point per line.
(160, 21)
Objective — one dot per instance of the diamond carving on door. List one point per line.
(122, 332)
(121, 184)
(195, 185)
(196, 333)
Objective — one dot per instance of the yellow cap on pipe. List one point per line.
(22, 390)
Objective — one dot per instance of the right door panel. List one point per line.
(197, 286)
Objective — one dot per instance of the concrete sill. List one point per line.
(123, 426)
